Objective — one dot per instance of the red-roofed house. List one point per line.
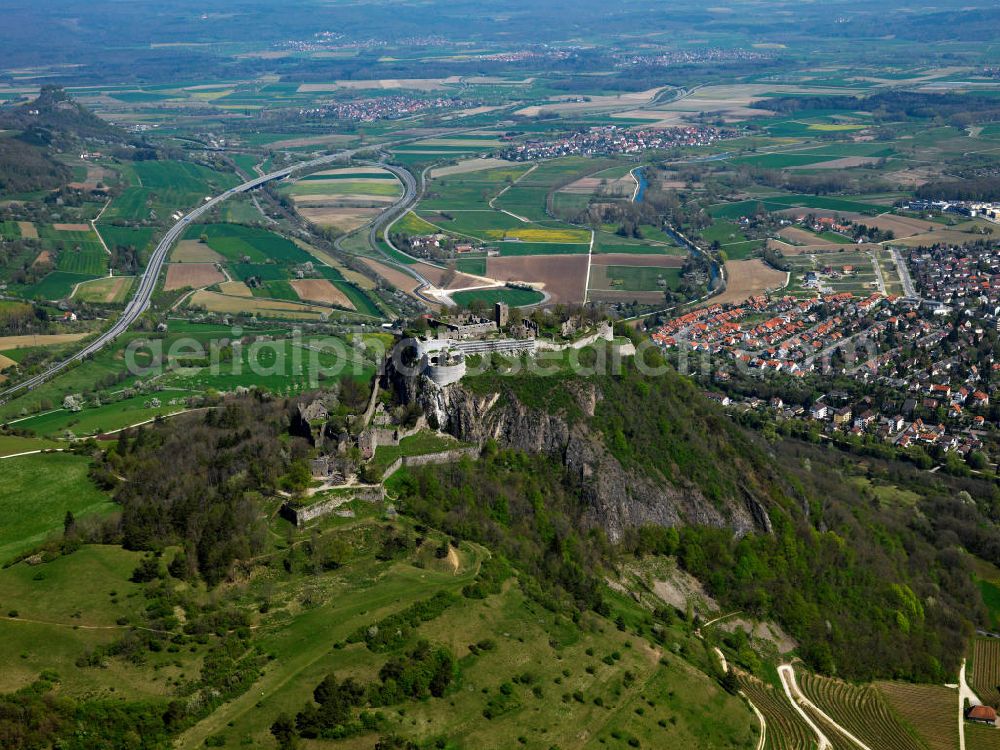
(982, 715)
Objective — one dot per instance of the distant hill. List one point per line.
(36, 131)
(55, 116)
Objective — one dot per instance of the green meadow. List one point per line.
(36, 492)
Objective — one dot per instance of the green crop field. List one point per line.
(783, 202)
(413, 225)
(279, 289)
(180, 176)
(653, 241)
(643, 278)
(263, 271)
(569, 205)
(235, 241)
(92, 262)
(11, 445)
(742, 250)
(991, 598)
(540, 248)
(106, 417)
(138, 237)
(471, 190)
(35, 493)
(166, 186)
(345, 188)
(56, 285)
(513, 297)
(475, 266)
(474, 222)
(782, 161)
(723, 232)
(348, 176)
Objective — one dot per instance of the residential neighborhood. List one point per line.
(878, 368)
(614, 139)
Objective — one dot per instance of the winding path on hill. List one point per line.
(794, 695)
(762, 740)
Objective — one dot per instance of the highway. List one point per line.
(385, 221)
(390, 216)
(147, 281)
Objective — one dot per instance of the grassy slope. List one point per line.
(35, 493)
(662, 704)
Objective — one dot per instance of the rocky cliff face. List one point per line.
(616, 497)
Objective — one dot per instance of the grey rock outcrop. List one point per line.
(616, 497)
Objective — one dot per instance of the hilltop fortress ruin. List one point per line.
(443, 352)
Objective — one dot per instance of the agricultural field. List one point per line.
(394, 276)
(513, 297)
(655, 242)
(73, 251)
(633, 277)
(107, 417)
(979, 737)
(194, 251)
(269, 267)
(931, 710)
(748, 278)
(55, 286)
(284, 365)
(320, 290)
(214, 302)
(344, 199)
(192, 276)
(985, 679)
(462, 145)
(990, 589)
(140, 238)
(562, 277)
(786, 730)
(731, 240)
(861, 710)
(785, 202)
(14, 445)
(159, 188)
(108, 290)
(507, 208)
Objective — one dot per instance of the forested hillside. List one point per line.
(869, 589)
(833, 567)
(36, 131)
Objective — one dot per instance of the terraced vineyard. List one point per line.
(785, 728)
(931, 710)
(861, 710)
(986, 670)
